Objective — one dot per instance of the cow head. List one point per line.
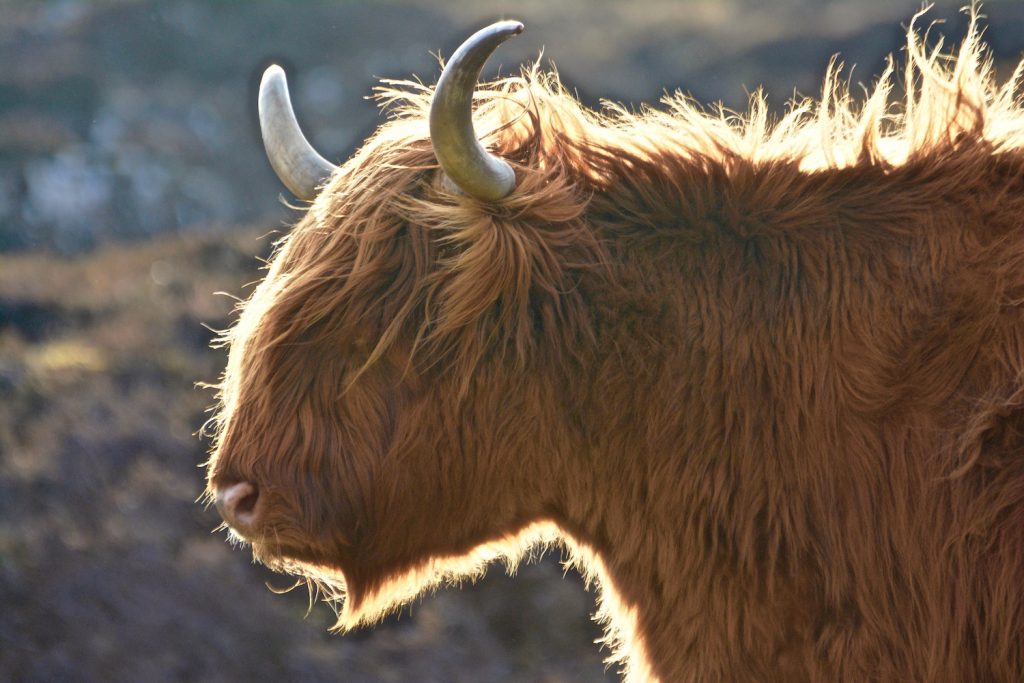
(390, 403)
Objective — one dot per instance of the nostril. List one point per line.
(247, 502)
(237, 504)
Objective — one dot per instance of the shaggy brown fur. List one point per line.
(766, 381)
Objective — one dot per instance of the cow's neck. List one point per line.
(685, 572)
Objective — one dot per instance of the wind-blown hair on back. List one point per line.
(632, 168)
(762, 375)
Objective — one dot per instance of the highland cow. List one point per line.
(764, 380)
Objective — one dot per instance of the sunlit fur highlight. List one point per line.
(762, 379)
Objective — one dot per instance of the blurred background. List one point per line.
(133, 186)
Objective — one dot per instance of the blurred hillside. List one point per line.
(126, 118)
(133, 186)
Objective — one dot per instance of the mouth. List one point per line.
(283, 532)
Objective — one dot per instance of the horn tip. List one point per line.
(508, 28)
(273, 71)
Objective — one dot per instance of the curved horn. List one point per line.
(296, 163)
(467, 165)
